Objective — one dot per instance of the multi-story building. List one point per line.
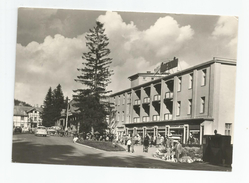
(34, 115)
(25, 116)
(196, 100)
(20, 116)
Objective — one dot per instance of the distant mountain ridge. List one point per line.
(18, 102)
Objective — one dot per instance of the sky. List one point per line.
(50, 43)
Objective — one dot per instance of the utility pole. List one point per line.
(67, 114)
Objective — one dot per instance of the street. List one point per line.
(28, 148)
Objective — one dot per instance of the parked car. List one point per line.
(18, 129)
(56, 128)
(25, 129)
(51, 131)
(41, 130)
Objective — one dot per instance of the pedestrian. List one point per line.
(129, 144)
(75, 139)
(178, 150)
(146, 143)
(133, 142)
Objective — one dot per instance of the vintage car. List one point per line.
(18, 129)
(41, 130)
(51, 131)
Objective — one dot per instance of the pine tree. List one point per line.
(58, 101)
(95, 75)
(48, 114)
(96, 68)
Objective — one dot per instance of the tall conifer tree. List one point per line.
(47, 114)
(95, 76)
(58, 101)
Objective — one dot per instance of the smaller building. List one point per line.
(34, 116)
(73, 117)
(25, 116)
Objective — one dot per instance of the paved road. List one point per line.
(28, 148)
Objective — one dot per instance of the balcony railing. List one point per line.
(136, 120)
(156, 118)
(168, 116)
(137, 102)
(146, 118)
(157, 97)
(146, 100)
(169, 95)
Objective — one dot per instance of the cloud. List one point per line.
(226, 26)
(136, 51)
(44, 65)
(226, 32)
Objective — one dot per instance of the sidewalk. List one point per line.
(138, 150)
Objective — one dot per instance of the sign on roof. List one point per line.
(169, 65)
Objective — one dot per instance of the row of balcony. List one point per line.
(167, 116)
(146, 100)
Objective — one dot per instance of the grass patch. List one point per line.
(106, 146)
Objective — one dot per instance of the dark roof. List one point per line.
(21, 110)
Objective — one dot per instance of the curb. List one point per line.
(91, 147)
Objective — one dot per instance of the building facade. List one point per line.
(27, 117)
(197, 100)
(34, 115)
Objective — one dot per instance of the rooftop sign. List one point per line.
(169, 65)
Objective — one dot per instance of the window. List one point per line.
(202, 107)
(128, 109)
(119, 100)
(123, 99)
(228, 128)
(123, 116)
(156, 118)
(178, 108)
(203, 77)
(190, 81)
(118, 117)
(179, 84)
(146, 118)
(189, 106)
(128, 98)
(167, 116)
(22, 118)
(35, 118)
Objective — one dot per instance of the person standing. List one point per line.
(178, 150)
(129, 144)
(133, 142)
(146, 143)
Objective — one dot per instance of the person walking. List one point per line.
(146, 143)
(129, 144)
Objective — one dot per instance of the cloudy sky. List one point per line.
(50, 44)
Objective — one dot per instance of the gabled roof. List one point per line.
(21, 110)
(35, 108)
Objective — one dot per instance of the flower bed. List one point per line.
(188, 155)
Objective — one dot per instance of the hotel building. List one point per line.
(196, 100)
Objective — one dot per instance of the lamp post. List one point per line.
(67, 113)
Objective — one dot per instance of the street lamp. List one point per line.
(67, 113)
